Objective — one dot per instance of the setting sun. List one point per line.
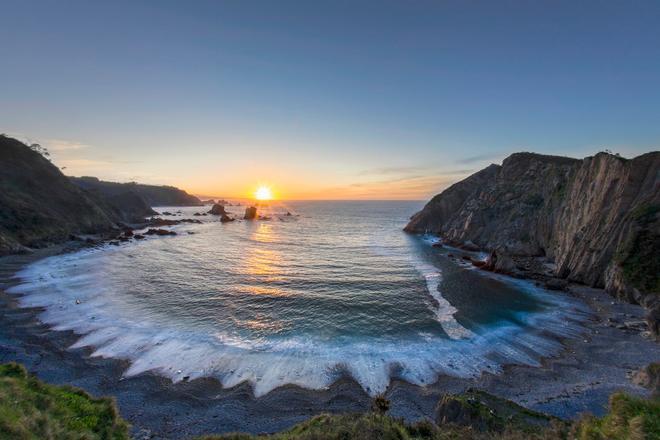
(263, 193)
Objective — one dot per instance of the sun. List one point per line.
(263, 193)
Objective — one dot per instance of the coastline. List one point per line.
(578, 379)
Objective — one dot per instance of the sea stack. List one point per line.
(218, 209)
(250, 213)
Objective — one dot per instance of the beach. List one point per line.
(579, 379)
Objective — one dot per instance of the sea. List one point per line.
(314, 291)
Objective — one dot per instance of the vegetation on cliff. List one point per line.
(152, 195)
(39, 205)
(31, 409)
(639, 256)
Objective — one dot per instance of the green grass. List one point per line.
(369, 426)
(486, 412)
(629, 418)
(31, 409)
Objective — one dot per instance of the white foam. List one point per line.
(72, 299)
(445, 311)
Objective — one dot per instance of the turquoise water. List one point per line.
(336, 288)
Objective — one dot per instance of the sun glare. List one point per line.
(263, 193)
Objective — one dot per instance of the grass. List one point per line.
(370, 426)
(486, 412)
(31, 409)
(629, 418)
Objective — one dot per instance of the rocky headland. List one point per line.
(152, 195)
(593, 221)
(40, 206)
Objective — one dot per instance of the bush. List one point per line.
(629, 418)
(380, 404)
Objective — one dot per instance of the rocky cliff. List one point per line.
(152, 195)
(39, 205)
(596, 219)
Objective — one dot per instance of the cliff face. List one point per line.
(39, 205)
(152, 195)
(596, 218)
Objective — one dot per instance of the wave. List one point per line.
(71, 297)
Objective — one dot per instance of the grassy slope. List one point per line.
(629, 418)
(31, 409)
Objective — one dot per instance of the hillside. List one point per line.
(39, 205)
(153, 195)
(30, 408)
(596, 219)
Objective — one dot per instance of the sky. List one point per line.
(326, 100)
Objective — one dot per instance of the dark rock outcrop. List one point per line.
(649, 377)
(159, 232)
(40, 206)
(218, 209)
(152, 195)
(250, 213)
(597, 219)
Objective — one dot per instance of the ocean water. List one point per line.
(335, 288)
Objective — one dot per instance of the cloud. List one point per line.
(393, 170)
(85, 163)
(419, 187)
(478, 158)
(58, 145)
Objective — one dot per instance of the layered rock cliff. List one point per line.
(597, 218)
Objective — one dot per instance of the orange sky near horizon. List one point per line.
(239, 175)
(340, 187)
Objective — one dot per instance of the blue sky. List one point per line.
(326, 99)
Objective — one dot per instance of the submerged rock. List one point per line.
(160, 232)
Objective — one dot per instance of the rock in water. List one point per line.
(250, 213)
(226, 219)
(160, 232)
(218, 209)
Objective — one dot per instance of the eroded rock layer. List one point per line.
(596, 219)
